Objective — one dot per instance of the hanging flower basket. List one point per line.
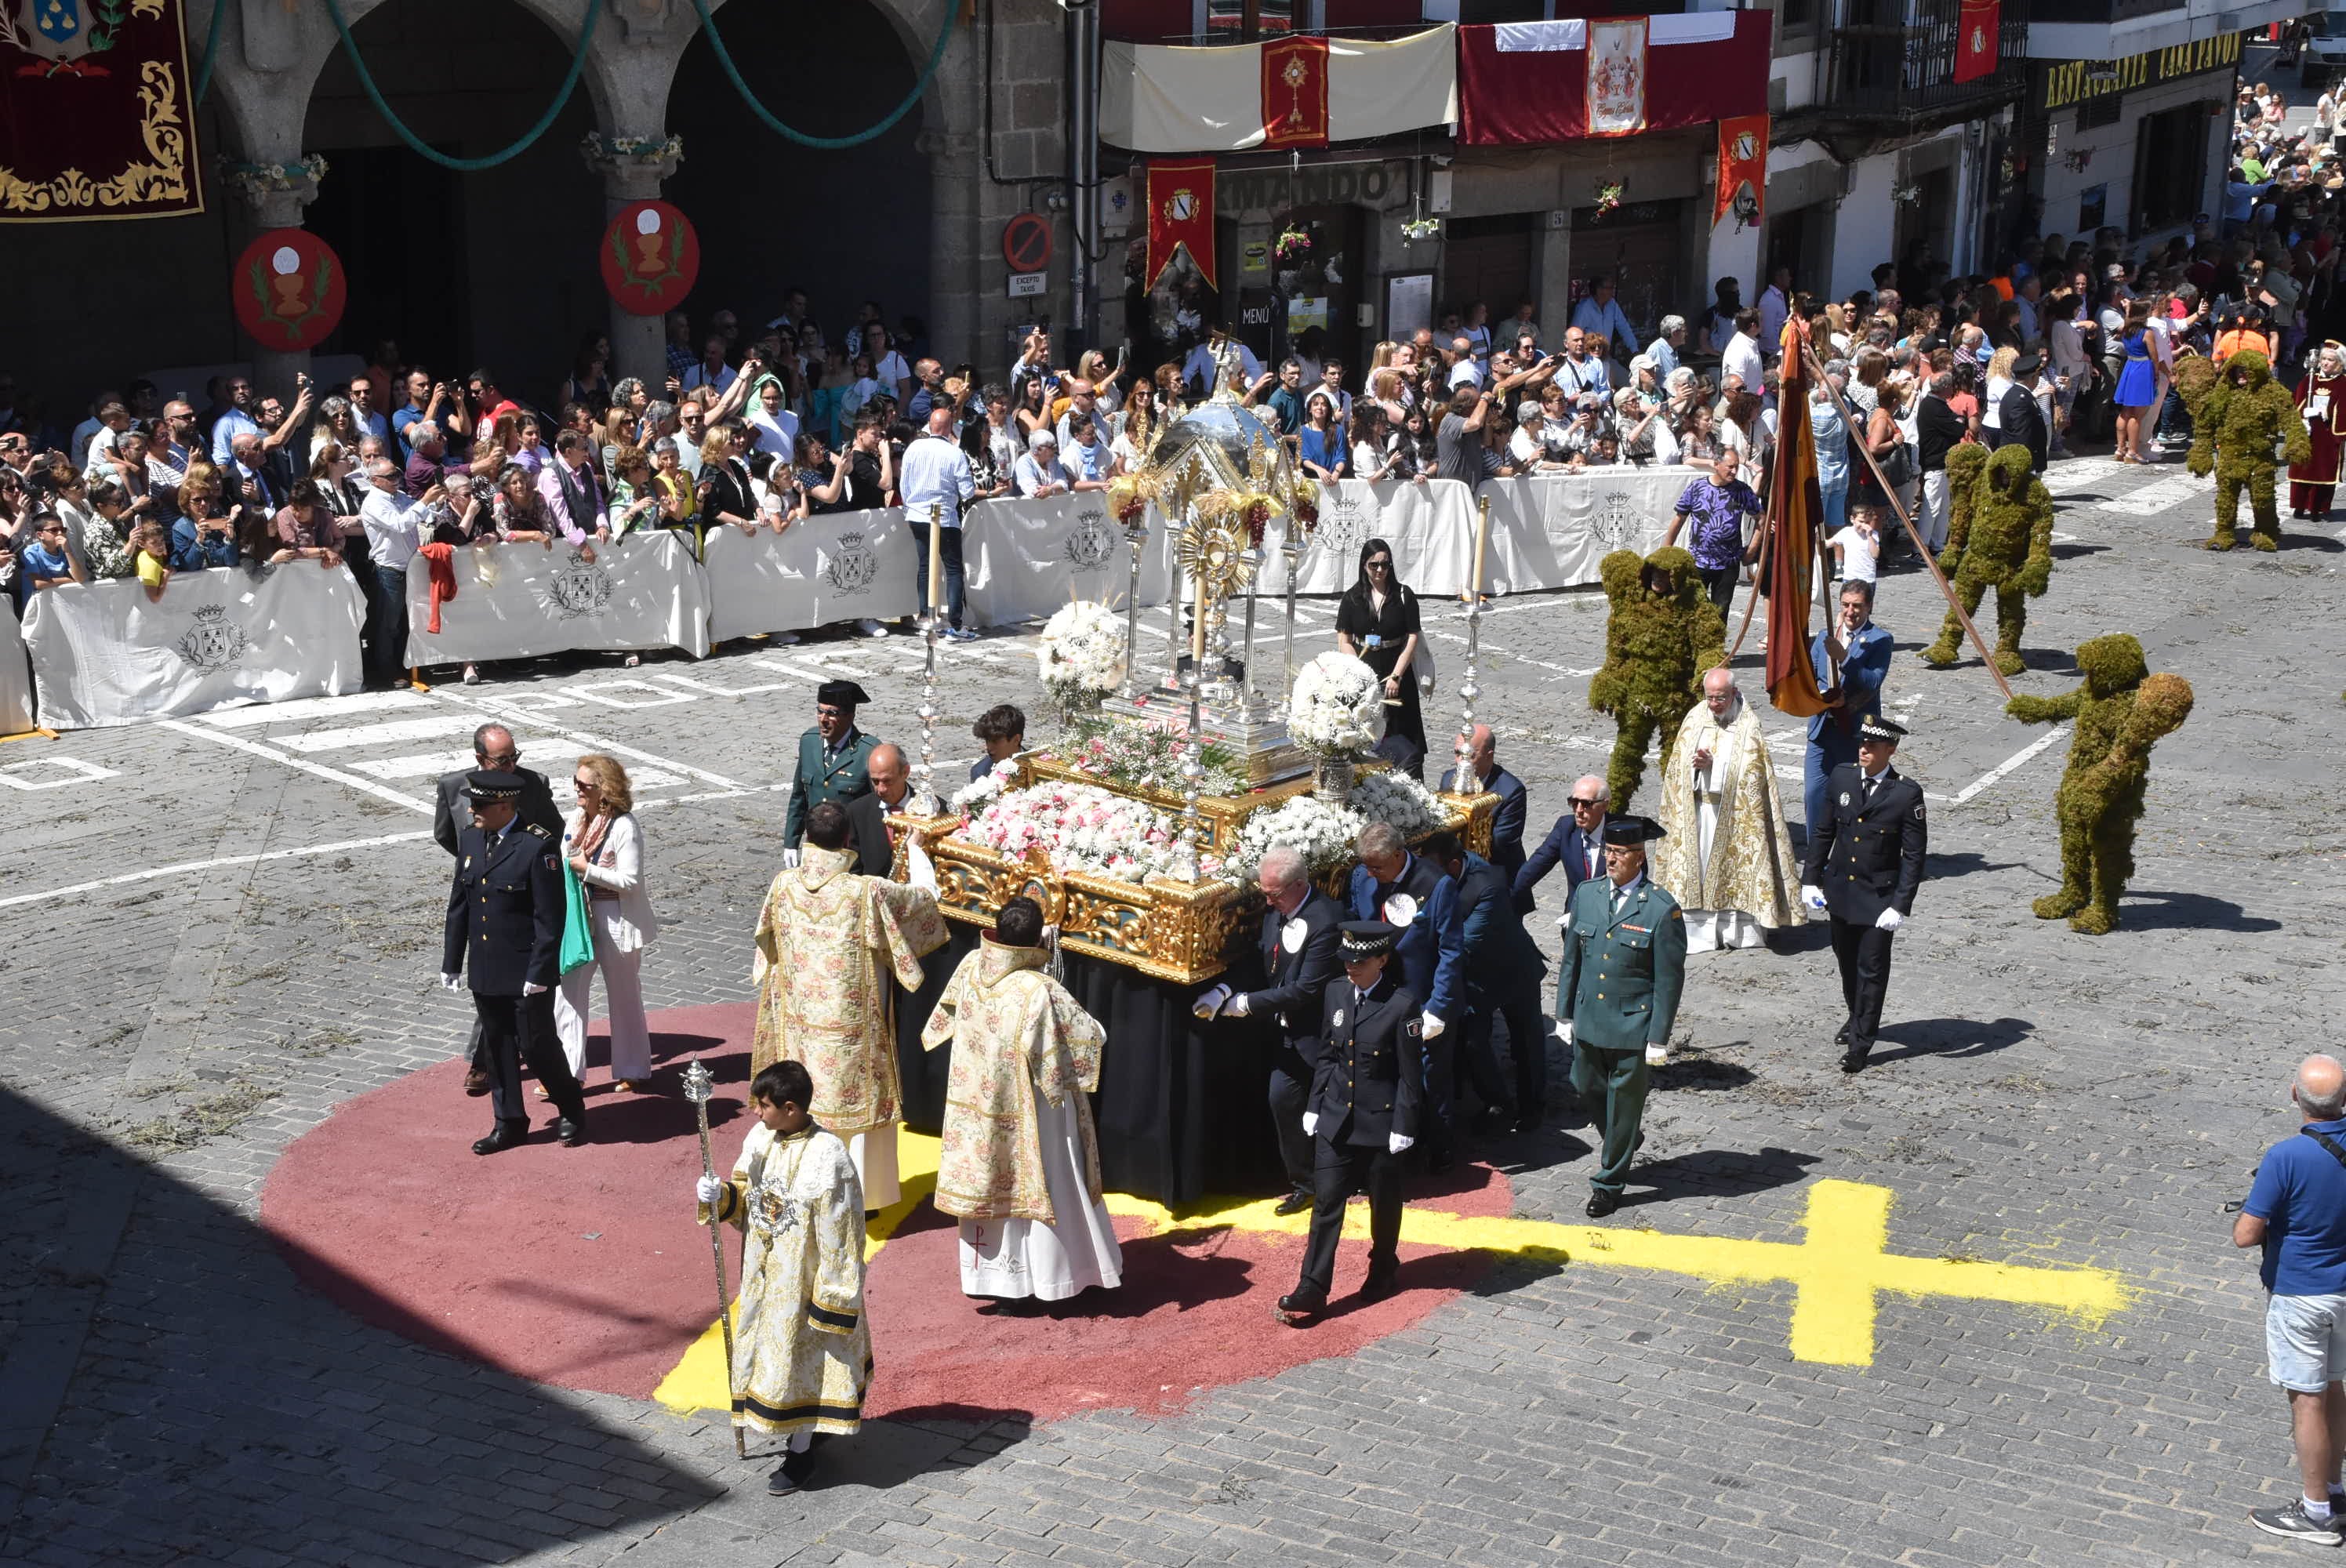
(1294, 245)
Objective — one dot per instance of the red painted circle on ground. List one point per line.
(583, 1267)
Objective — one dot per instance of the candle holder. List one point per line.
(1138, 538)
(924, 773)
(1466, 782)
(1250, 704)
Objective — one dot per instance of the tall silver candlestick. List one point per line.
(925, 774)
(1467, 782)
(1138, 538)
(1247, 703)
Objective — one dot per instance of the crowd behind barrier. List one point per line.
(103, 653)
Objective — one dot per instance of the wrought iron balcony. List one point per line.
(1895, 59)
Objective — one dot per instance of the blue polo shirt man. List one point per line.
(2295, 1212)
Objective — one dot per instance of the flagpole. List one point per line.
(1890, 493)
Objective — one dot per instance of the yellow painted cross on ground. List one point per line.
(1838, 1274)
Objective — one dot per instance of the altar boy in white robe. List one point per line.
(1019, 1166)
(1727, 858)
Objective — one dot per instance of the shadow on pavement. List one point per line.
(2186, 912)
(172, 1394)
(1949, 1038)
(1734, 1173)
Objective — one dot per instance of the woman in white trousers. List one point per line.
(605, 847)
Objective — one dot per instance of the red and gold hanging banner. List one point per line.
(1742, 169)
(1181, 217)
(94, 117)
(288, 289)
(652, 254)
(1295, 92)
(1977, 25)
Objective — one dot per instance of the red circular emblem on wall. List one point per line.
(1026, 242)
(650, 257)
(288, 289)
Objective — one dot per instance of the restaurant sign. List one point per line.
(2073, 82)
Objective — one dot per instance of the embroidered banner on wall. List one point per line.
(95, 119)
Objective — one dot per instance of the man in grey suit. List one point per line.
(493, 751)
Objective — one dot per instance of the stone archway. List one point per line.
(495, 266)
(846, 225)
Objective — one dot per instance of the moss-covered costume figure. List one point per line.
(1965, 461)
(2233, 433)
(2004, 543)
(1663, 633)
(2121, 712)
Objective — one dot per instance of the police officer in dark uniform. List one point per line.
(1864, 865)
(834, 760)
(1365, 1098)
(1298, 953)
(506, 913)
(494, 748)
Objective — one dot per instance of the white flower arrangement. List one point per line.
(1081, 654)
(1401, 801)
(1338, 709)
(1323, 834)
(973, 796)
(1327, 835)
(1082, 826)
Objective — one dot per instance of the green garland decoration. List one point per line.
(211, 50)
(826, 143)
(417, 144)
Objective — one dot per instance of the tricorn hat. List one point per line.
(841, 693)
(1633, 829)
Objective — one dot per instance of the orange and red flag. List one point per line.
(1795, 507)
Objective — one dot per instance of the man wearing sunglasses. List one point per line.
(1576, 843)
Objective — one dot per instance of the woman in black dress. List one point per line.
(1376, 621)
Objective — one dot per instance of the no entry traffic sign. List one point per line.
(1026, 242)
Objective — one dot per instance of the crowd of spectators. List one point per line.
(2067, 340)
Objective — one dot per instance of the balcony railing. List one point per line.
(1896, 60)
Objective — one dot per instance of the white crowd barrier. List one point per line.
(838, 567)
(102, 653)
(1026, 558)
(521, 601)
(16, 675)
(1551, 530)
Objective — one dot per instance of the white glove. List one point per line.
(1209, 1005)
(1813, 896)
(1433, 1026)
(531, 988)
(1564, 1030)
(1311, 1122)
(1889, 920)
(709, 1189)
(1398, 1143)
(450, 983)
(789, 859)
(1239, 1007)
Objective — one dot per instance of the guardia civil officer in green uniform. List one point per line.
(834, 760)
(1624, 949)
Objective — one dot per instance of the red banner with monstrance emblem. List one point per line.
(96, 116)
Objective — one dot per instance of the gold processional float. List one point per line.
(1223, 479)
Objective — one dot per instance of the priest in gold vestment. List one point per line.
(1727, 858)
(1019, 1167)
(831, 945)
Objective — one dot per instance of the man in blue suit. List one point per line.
(1514, 805)
(1576, 843)
(1411, 895)
(1856, 652)
(1502, 968)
